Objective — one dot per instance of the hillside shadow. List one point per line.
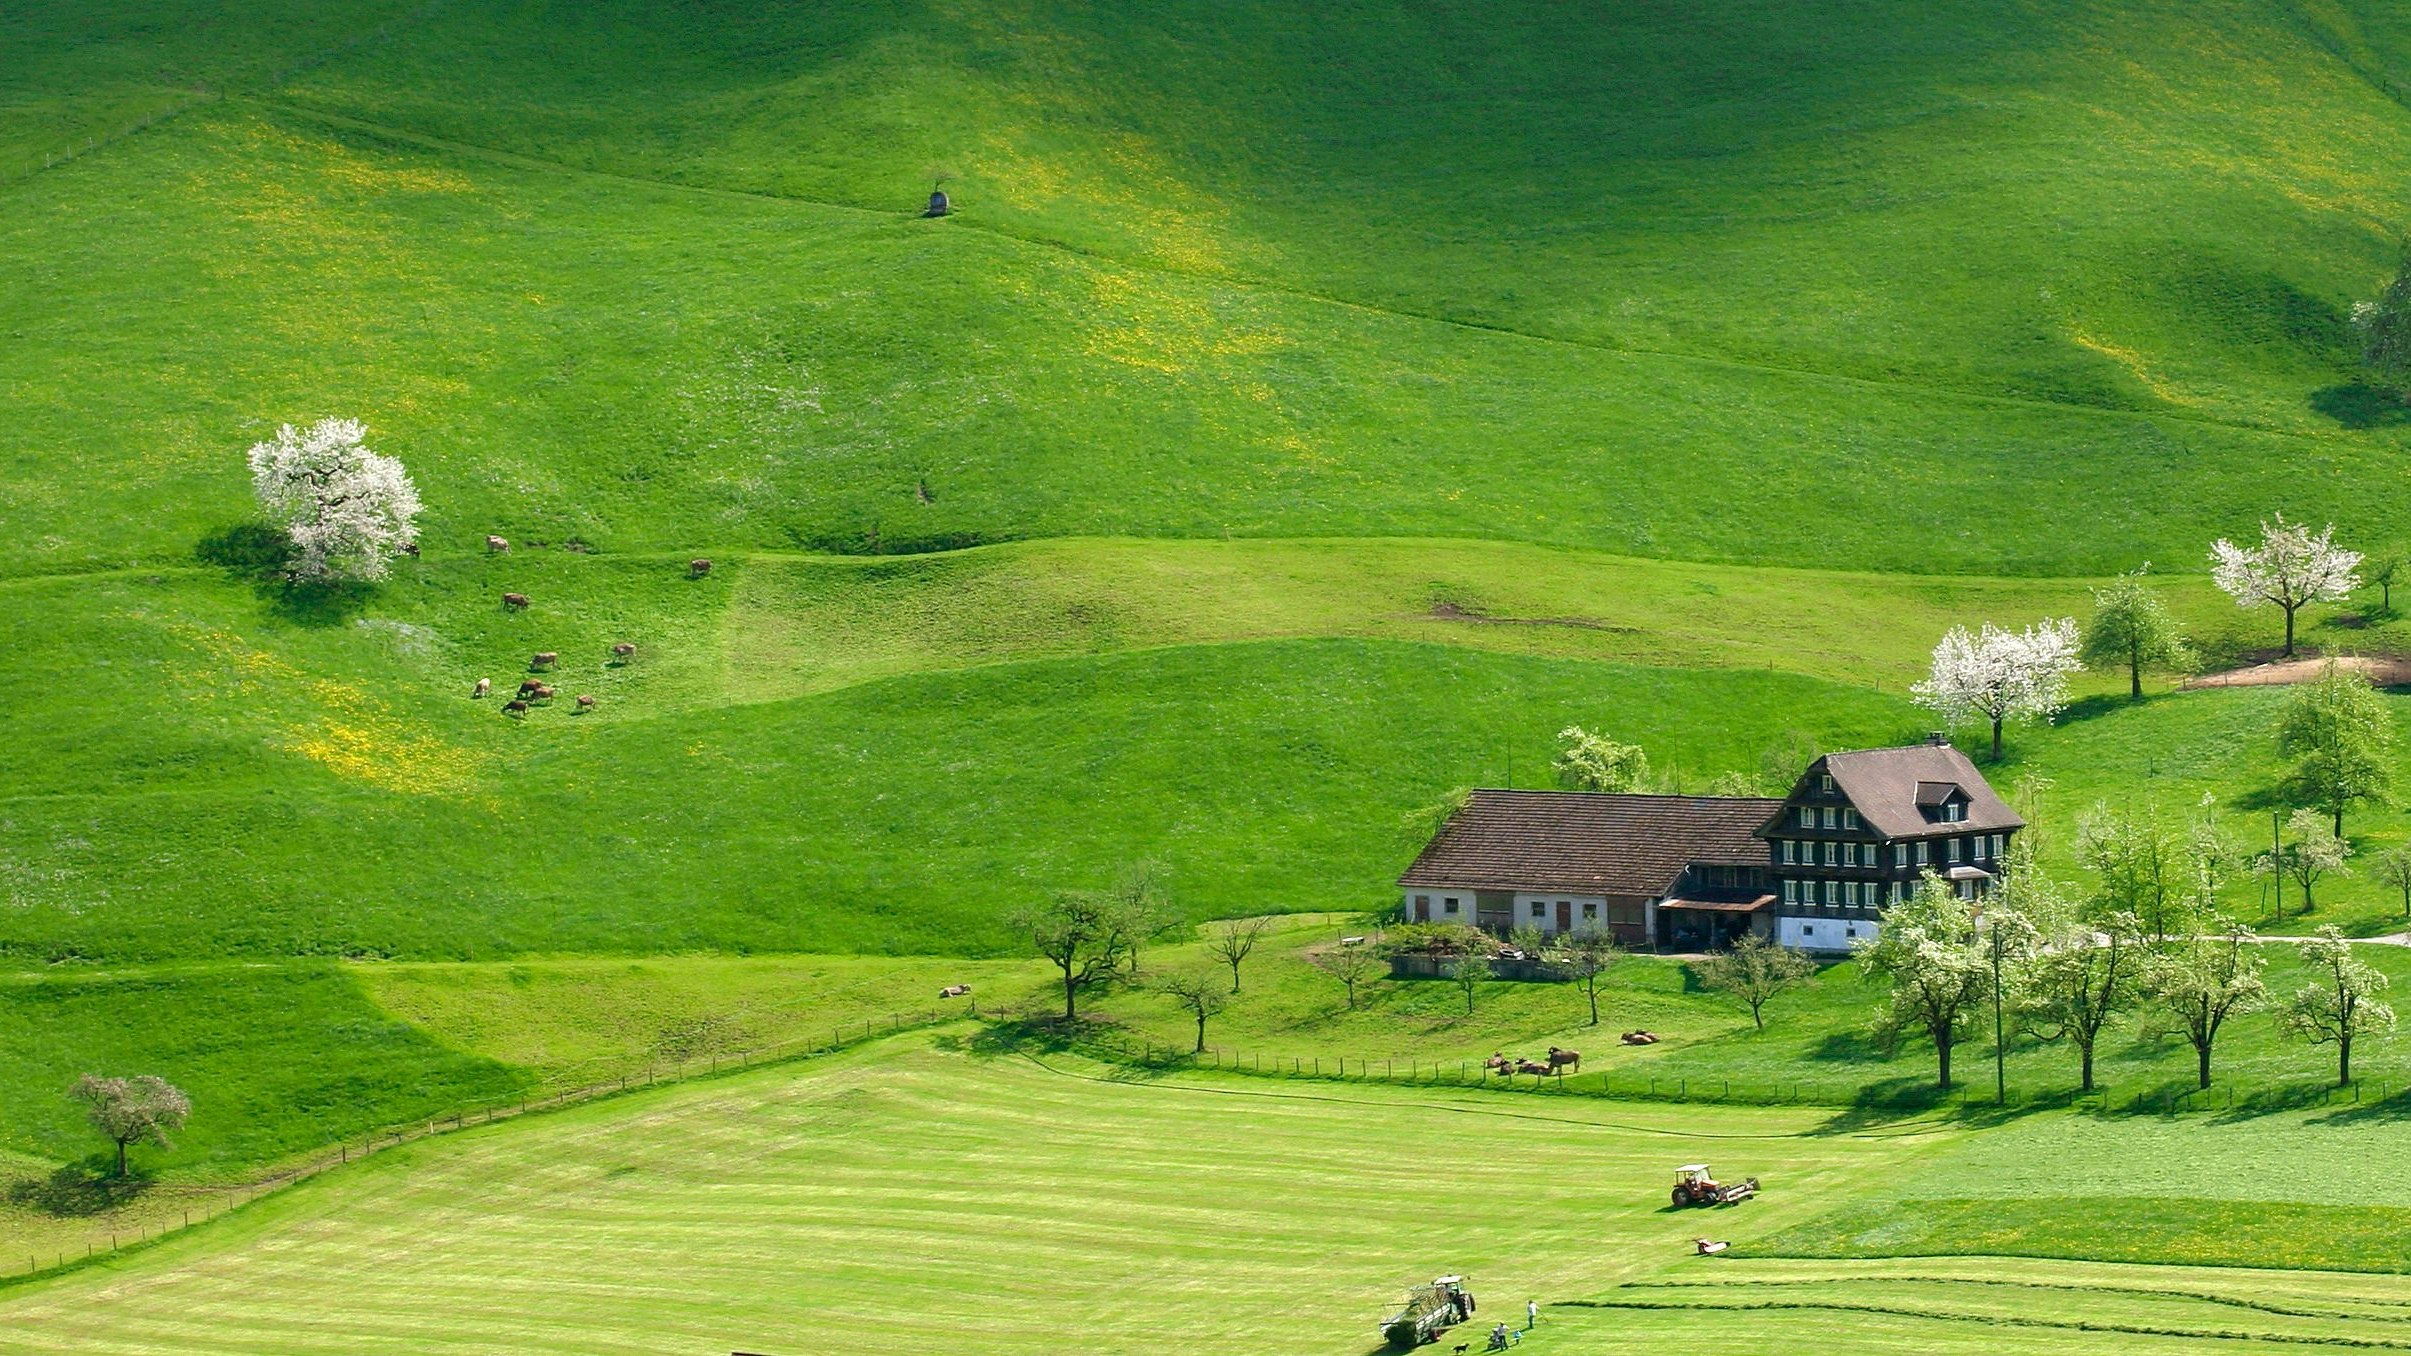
(78, 1190)
(2358, 405)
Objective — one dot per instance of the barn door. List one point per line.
(1565, 915)
(1423, 909)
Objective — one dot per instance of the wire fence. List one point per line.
(203, 1203)
(1905, 1096)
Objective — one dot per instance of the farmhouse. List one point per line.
(1814, 869)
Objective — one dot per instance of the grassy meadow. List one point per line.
(927, 1191)
(1300, 416)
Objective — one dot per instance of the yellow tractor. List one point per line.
(1695, 1185)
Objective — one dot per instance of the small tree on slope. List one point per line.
(345, 508)
(2001, 675)
(2084, 975)
(1088, 936)
(2201, 981)
(132, 1110)
(2341, 738)
(2290, 568)
(1928, 952)
(2132, 630)
(2341, 1004)
(1588, 953)
(1751, 972)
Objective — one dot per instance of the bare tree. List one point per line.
(1751, 971)
(1588, 952)
(1088, 935)
(140, 1110)
(1230, 940)
(1351, 965)
(2342, 1003)
(1202, 995)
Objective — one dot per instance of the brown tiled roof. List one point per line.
(1589, 843)
(1888, 785)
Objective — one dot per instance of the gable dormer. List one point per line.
(1943, 802)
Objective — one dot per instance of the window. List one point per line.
(1954, 851)
(1830, 892)
(1830, 849)
(1924, 855)
(1449, 904)
(1791, 892)
(1590, 910)
(1790, 858)
(1540, 908)
(1954, 812)
(1900, 892)
(1808, 929)
(1998, 842)
(1849, 818)
(1808, 817)
(1900, 854)
(1829, 817)
(1825, 783)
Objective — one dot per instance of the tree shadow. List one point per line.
(255, 550)
(2389, 1110)
(2359, 405)
(262, 554)
(79, 1190)
(316, 602)
(2096, 706)
(1848, 1047)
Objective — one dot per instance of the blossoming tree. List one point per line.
(2290, 568)
(2001, 675)
(345, 508)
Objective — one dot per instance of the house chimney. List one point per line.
(1937, 739)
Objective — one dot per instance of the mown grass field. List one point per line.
(923, 1194)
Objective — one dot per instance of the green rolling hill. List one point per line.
(1300, 416)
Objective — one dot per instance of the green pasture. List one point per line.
(944, 1192)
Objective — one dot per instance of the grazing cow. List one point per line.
(544, 659)
(515, 601)
(497, 544)
(955, 991)
(530, 687)
(585, 703)
(698, 567)
(484, 686)
(514, 708)
(1564, 1059)
(543, 692)
(622, 652)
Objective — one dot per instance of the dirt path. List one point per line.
(2385, 671)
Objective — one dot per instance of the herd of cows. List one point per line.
(535, 691)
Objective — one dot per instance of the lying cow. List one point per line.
(955, 991)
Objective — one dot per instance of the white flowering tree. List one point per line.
(2290, 568)
(346, 508)
(2001, 675)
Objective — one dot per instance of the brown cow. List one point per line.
(1564, 1059)
(698, 567)
(514, 708)
(1531, 1066)
(516, 601)
(484, 686)
(530, 687)
(585, 703)
(494, 543)
(543, 692)
(544, 659)
(622, 652)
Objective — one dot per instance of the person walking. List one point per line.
(1531, 1314)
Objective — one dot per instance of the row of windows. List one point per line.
(1540, 907)
(1830, 817)
(1983, 847)
(1857, 894)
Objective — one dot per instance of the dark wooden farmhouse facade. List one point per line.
(1813, 870)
